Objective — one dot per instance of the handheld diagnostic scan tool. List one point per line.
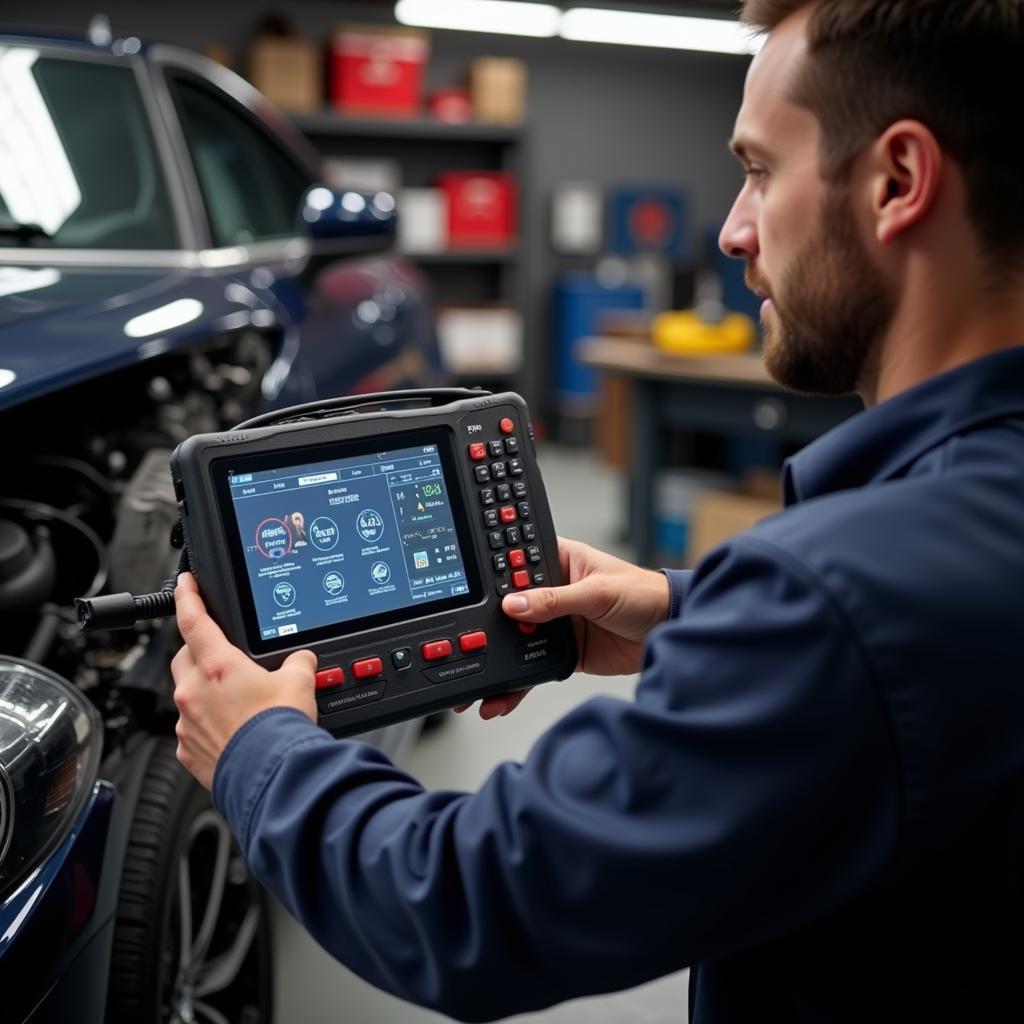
(382, 537)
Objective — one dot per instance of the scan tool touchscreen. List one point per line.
(348, 538)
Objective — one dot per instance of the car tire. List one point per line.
(204, 960)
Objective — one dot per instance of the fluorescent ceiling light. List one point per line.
(713, 35)
(502, 16)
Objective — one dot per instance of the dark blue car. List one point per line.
(170, 262)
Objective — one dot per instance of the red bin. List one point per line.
(482, 209)
(378, 70)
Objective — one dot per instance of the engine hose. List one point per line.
(44, 634)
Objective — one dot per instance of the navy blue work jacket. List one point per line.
(814, 798)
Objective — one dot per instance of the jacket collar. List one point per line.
(881, 443)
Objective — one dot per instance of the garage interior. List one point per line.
(588, 279)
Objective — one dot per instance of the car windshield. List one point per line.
(78, 166)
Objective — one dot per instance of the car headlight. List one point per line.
(50, 741)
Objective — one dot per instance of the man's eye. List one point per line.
(755, 174)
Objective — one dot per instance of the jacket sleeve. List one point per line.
(750, 788)
(679, 581)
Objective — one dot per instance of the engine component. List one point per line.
(27, 567)
(140, 556)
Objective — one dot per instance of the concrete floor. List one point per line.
(586, 501)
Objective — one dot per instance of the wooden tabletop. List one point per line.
(641, 359)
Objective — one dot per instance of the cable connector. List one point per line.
(122, 611)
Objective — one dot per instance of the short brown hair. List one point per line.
(951, 64)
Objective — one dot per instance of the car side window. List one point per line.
(250, 185)
(78, 165)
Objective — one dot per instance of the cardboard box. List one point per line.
(497, 87)
(378, 70)
(482, 209)
(718, 515)
(220, 52)
(422, 220)
(366, 174)
(484, 340)
(288, 70)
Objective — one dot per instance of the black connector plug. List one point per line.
(123, 611)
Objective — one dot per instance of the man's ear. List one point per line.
(906, 168)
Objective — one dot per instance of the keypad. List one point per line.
(506, 510)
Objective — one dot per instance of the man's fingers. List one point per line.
(198, 630)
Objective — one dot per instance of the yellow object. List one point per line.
(684, 333)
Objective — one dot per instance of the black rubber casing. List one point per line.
(412, 685)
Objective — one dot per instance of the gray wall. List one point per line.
(596, 113)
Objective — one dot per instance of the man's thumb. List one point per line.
(546, 603)
(302, 663)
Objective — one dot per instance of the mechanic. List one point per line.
(815, 796)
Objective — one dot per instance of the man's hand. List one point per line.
(218, 688)
(613, 604)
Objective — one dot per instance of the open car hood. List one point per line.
(61, 325)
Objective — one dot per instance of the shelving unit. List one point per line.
(425, 148)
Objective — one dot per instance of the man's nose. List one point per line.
(738, 237)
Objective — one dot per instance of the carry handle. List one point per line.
(353, 404)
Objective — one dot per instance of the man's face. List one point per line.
(826, 302)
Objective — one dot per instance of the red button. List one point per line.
(527, 627)
(436, 649)
(472, 641)
(507, 514)
(521, 579)
(367, 668)
(517, 558)
(506, 426)
(478, 451)
(328, 677)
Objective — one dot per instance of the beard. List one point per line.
(830, 310)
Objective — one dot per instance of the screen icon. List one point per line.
(334, 583)
(420, 560)
(380, 572)
(273, 539)
(323, 533)
(370, 525)
(284, 595)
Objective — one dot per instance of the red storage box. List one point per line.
(377, 69)
(482, 209)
